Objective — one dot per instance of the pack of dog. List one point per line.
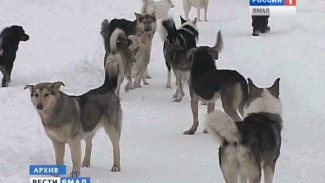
(69, 119)
(141, 48)
(207, 83)
(253, 144)
(198, 4)
(9, 41)
(178, 41)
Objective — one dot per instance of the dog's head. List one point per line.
(15, 32)
(45, 95)
(206, 53)
(146, 22)
(263, 99)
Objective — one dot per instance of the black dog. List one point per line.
(207, 83)
(9, 41)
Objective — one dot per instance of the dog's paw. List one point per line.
(189, 132)
(146, 83)
(85, 164)
(178, 99)
(116, 168)
(148, 77)
(75, 174)
(168, 86)
(205, 130)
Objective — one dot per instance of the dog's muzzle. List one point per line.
(25, 37)
(39, 107)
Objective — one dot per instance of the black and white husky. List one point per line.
(184, 37)
(251, 145)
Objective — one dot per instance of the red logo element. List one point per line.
(290, 3)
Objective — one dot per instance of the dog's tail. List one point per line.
(219, 43)
(222, 127)
(170, 27)
(244, 87)
(106, 33)
(117, 33)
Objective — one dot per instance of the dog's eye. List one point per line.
(36, 95)
(46, 95)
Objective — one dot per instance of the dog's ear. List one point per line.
(214, 53)
(30, 87)
(190, 54)
(137, 15)
(182, 20)
(195, 21)
(56, 86)
(274, 89)
(253, 90)
(153, 14)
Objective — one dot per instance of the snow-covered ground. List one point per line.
(65, 45)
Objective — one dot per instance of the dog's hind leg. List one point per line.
(86, 160)
(169, 75)
(146, 73)
(187, 8)
(179, 87)
(75, 148)
(59, 148)
(231, 98)
(194, 107)
(114, 134)
(144, 80)
(269, 172)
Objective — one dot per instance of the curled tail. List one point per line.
(170, 27)
(117, 33)
(222, 127)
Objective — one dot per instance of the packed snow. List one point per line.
(65, 45)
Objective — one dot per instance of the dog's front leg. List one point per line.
(129, 85)
(86, 161)
(206, 13)
(179, 87)
(194, 107)
(59, 148)
(75, 148)
(198, 14)
(6, 77)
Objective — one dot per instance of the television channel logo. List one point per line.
(272, 7)
(48, 173)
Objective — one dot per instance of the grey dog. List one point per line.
(69, 119)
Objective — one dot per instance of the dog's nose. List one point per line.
(39, 106)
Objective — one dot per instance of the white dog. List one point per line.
(161, 8)
(198, 4)
(141, 47)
